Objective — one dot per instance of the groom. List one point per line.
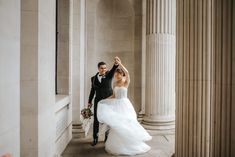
(102, 89)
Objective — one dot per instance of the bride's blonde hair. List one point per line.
(120, 71)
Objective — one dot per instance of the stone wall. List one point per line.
(10, 78)
(113, 28)
(37, 78)
(63, 47)
(29, 79)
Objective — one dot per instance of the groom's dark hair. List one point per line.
(101, 63)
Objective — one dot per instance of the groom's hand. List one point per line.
(115, 62)
(89, 105)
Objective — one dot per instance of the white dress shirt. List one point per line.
(99, 77)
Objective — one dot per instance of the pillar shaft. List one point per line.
(204, 69)
(160, 64)
(193, 78)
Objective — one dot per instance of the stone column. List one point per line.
(10, 77)
(37, 79)
(160, 65)
(205, 64)
(193, 77)
(77, 63)
(233, 86)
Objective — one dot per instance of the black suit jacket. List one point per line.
(102, 89)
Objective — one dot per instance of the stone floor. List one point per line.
(162, 146)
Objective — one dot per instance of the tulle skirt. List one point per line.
(126, 135)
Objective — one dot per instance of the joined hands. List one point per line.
(117, 60)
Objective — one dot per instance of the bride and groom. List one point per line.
(113, 108)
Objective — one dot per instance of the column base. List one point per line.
(78, 131)
(140, 118)
(161, 125)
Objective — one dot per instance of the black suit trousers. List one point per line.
(96, 122)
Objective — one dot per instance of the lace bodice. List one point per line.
(120, 92)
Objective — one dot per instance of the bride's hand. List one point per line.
(117, 60)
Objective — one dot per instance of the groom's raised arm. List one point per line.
(111, 72)
(92, 92)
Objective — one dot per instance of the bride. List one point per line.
(126, 135)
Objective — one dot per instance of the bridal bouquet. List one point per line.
(86, 113)
(87, 120)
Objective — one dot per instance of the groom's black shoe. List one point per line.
(95, 141)
(106, 137)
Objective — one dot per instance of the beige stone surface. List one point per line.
(29, 79)
(161, 146)
(10, 78)
(63, 47)
(94, 30)
(204, 79)
(160, 65)
(37, 79)
(113, 28)
(233, 87)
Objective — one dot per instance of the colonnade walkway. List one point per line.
(162, 146)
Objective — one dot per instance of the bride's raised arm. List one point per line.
(127, 81)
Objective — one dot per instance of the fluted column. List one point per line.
(194, 54)
(160, 65)
(204, 79)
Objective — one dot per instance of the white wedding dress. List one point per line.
(126, 135)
